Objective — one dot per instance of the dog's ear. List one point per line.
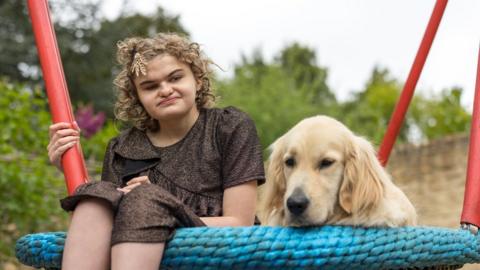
(271, 198)
(362, 186)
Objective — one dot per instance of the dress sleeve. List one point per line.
(105, 189)
(109, 174)
(240, 149)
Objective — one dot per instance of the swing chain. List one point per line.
(470, 227)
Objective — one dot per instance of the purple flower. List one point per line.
(89, 122)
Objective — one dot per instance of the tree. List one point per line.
(428, 117)
(368, 111)
(441, 114)
(19, 59)
(300, 63)
(276, 95)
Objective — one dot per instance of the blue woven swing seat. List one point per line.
(327, 247)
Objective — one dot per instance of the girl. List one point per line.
(182, 164)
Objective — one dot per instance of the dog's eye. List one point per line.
(326, 163)
(290, 162)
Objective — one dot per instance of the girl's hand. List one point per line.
(135, 182)
(62, 137)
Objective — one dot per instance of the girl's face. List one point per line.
(168, 90)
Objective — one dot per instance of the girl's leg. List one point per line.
(137, 256)
(145, 219)
(88, 240)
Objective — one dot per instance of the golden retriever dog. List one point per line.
(320, 173)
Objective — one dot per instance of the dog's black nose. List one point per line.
(297, 202)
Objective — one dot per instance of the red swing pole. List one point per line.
(409, 88)
(72, 161)
(471, 203)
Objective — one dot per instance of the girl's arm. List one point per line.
(238, 206)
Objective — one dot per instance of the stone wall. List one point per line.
(433, 177)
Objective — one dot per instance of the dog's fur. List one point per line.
(337, 177)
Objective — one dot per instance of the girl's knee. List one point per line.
(145, 204)
(139, 202)
(92, 217)
(93, 205)
(94, 202)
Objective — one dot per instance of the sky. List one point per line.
(350, 37)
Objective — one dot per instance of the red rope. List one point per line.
(408, 89)
(471, 203)
(72, 161)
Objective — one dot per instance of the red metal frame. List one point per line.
(400, 110)
(73, 163)
(471, 203)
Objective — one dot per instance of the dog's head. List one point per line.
(318, 172)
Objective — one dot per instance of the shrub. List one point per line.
(29, 186)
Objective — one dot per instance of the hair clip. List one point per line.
(139, 65)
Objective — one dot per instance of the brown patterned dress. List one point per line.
(188, 178)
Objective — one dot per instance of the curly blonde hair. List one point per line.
(127, 106)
